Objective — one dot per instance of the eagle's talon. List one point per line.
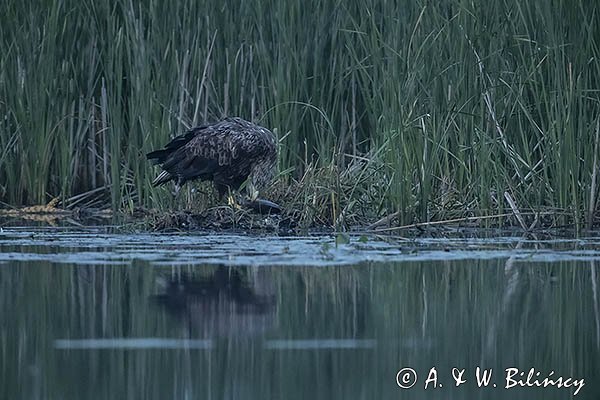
(231, 202)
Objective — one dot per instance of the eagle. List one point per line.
(229, 153)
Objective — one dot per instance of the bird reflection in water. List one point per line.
(232, 301)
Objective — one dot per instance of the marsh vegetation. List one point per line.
(416, 111)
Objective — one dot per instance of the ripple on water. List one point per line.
(96, 247)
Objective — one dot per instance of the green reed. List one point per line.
(454, 103)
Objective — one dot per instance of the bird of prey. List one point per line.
(230, 153)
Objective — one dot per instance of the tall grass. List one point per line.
(452, 103)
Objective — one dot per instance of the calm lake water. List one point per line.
(92, 315)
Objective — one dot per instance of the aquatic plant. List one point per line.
(418, 111)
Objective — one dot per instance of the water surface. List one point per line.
(88, 314)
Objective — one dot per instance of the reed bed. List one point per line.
(420, 110)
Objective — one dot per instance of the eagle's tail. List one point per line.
(163, 177)
(159, 157)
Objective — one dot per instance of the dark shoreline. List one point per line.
(225, 220)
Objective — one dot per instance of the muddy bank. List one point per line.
(266, 219)
(222, 218)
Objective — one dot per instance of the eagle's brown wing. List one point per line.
(223, 152)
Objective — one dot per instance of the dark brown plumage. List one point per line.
(227, 153)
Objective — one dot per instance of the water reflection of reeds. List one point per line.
(293, 332)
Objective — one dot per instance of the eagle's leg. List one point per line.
(223, 190)
(231, 200)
